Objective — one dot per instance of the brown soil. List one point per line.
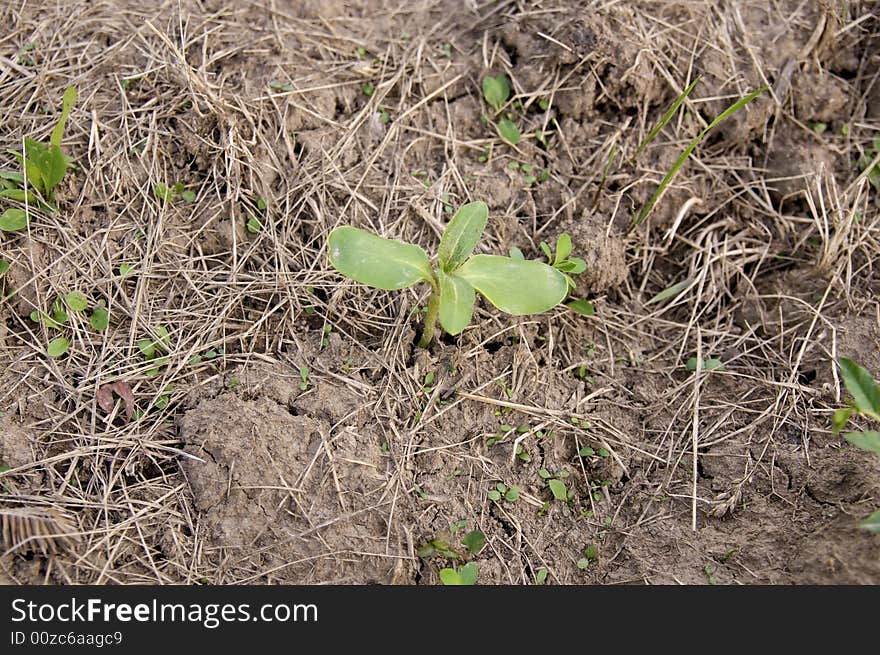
(303, 444)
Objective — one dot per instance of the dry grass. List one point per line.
(267, 102)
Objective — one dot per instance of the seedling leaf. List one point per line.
(582, 307)
(456, 303)
(496, 91)
(558, 489)
(872, 523)
(864, 390)
(66, 105)
(462, 235)
(667, 116)
(732, 109)
(515, 286)
(377, 262)
(57, 347)
(468, 573)
(670, 292)
(76, 301)
(12, 220)
(869, 441)
(563, 248)
(474, 541)
(508, 131)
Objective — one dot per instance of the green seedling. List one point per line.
(43, 167)
(517, 287)
(508, 131)
(541, 576)
(57, 347)
(865, 402)
(465, 575)
(727, 113)
(496, 91)
(590, 556)
(100, 317)
(303, 378)
(13, 220)
(4, 266)
(163, 192)
(125, 270)
(556, 485)
(705, 364)
(459, 573)
(501, 490)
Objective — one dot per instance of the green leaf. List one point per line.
(512, 494)
(707, 365)
(574, 265)
(56, 166)
(563, 248)
(732, 109)
(872, 523)
(456, 303)
(450, 577)
(515, 286)
(547, 252)
(496, 91)
(57, 347)
(462, 235)
(4, 266)
(869, 441)
(583, 307)
(541, 576)
(76, 301)
(468, 573)
(508, 131)
(862, 386)
(494, 495)
(586, 451)
(516, 253)
(670, 292)
(100, 318)
(558, 489)
(840, 418)
(377, 262)
(66, 105)
(667, 116)
(474, 541)
(13, 219)
(125, 269)
(189, 196)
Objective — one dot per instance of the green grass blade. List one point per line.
(666, 117)
(66, 105)
(739, 104)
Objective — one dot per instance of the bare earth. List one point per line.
(289, 434)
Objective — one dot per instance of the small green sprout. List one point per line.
(541, 576)
(13, 220)
(43, 167)
(705, 364)
(466, 575)
(865, 402)
(496, 91)
(590, 556)
(76, 301)
(57, 347)
(303, 378)
(100, 318)
(501, 490)
(509, 131)
(517, 287)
